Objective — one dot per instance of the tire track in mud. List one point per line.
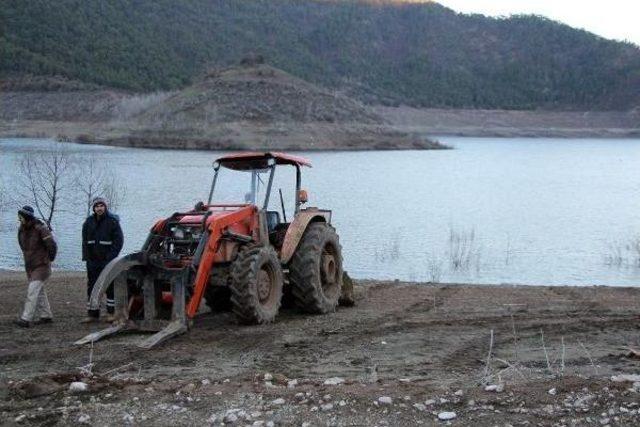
(348, 342)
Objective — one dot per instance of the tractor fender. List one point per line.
(298, 227)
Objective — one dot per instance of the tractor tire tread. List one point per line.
(244, 275)
(304, 270)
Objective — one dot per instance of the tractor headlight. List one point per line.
(216, 165)
(271, 162)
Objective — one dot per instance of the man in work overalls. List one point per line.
(101, 242)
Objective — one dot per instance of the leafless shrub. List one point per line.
(3, 195)
(463, 250)
(93, 179)
(389, 251)
(43, 181)
(614, 257)
(434, 268)
(623, 253)
(507, 255)
(634, 248)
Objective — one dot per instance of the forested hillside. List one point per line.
(381, 52)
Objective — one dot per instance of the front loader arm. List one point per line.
(216, 230)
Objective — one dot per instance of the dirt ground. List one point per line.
(404, 355)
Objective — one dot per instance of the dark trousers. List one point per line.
(94, 268)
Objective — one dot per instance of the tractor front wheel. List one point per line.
(256, 284)
(315, 271)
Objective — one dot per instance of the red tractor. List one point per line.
(241, 256)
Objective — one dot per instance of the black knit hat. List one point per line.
(99, 200)
(27, 212)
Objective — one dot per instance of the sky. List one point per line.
(612, 19)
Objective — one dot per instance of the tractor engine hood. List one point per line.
(213, 213)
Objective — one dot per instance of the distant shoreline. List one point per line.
(514, 124)
(424, 124)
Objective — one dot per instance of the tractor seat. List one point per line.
(273, 219)
(276, 237)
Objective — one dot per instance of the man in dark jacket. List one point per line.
(101, 242)
(39, 250)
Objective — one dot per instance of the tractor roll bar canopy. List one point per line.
(252, 160)
(259, 160)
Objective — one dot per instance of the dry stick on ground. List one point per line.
(562, 361)
(486, 368)
(589, 356)
(87, 370)
(515, 339)
(510, 366)
(119, 368)
(546, 355)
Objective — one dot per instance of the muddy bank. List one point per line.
(512, 124)
(403, 355)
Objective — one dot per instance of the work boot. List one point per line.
(90, 319)
(43, 321)
(21, 323)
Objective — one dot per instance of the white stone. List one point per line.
(420, 406)
(552, 391)
(458, 393)
(333, 381)
(278, 401)
(270, 424)
(383, 342)
(78, 387)
(385, 400)
(342, 403)
(128, 418)
(258, 423)
(84, 418)
(205, 381)
(405, 380)
(429, 402)
(625, 377)
(268, 377)
(327, 407)
(20, 418)
(498, 388)
(445, 416)
(292, 383)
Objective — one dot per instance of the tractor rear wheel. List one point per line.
(315, 270)
(256, 284)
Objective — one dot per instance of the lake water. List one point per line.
(524, 211)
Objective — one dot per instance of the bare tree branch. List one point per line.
(93, 179)
(41, 180)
